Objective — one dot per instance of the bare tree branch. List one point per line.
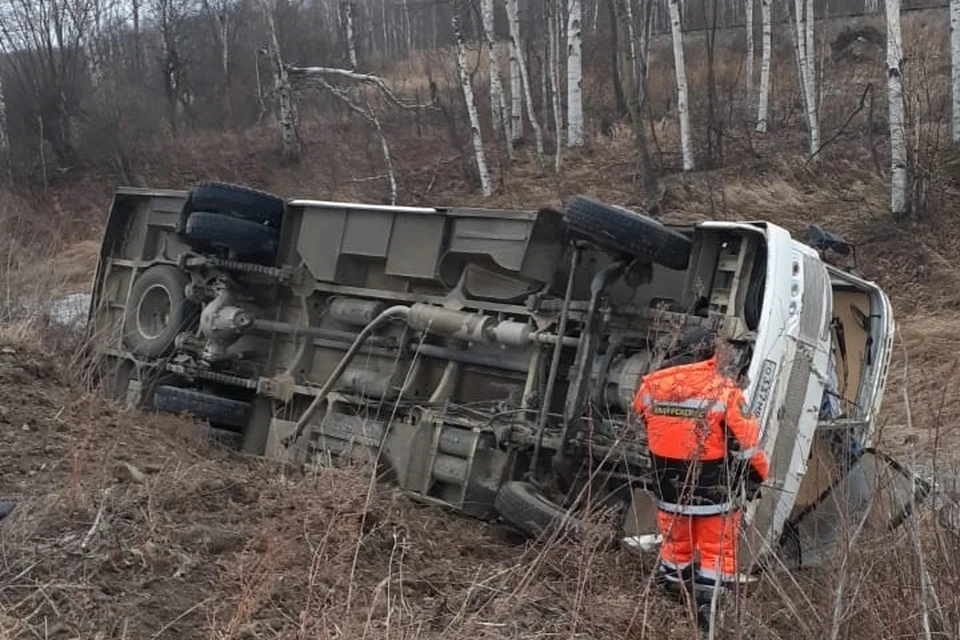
(371, 117)
(367, 78)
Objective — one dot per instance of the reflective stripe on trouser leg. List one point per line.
(694, 509)
(677, 547)
(718, 538)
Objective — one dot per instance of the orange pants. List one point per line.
(716, 537)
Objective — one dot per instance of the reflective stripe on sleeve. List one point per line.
(745, 455)
(694, 408)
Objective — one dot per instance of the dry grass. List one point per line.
(132, 526)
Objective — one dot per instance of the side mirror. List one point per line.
(822, 239)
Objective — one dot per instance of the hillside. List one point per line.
(133, 527)
(130, 526)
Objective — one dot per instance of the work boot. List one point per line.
(703, 618)
(6, 507)
(704, 592)
(674, 583)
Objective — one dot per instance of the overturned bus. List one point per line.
(486, 360)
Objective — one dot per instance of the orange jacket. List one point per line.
(700, 434)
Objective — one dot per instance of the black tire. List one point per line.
(157, 310)
(237, 201)
(625, 231)
(217, 410)
(753, 305)
(246, 237)
(224, 437)
(526, 508)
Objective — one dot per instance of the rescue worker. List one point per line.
(705, 448)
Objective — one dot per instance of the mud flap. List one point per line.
(875, 490)
(639, 526)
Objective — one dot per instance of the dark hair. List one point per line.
(696, 342)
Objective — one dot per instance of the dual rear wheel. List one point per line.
(217, 217)
(238, 220)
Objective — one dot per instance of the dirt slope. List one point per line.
(129, 526)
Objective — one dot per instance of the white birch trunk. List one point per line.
(811, 78)
(764, 97)
(898, 138)
(798, 44)
(348, 20)
(575, 74)
(496, 88)
(223, 19)
(498, 103)
(94, 57)
(387, 160)
(544, 64)
(464, 75)
(225, 45)
(524, 77)
(385, 35)
(749, 26)
(645, 39)
(632, 37)
(955, 65)
(553, 66)
(4, 136)
(516, 79)
(408, 35)
(683, 109)
(286, 108)
(807, 70)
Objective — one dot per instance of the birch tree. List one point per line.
(4, 134)
(464, 74)
(516, 70)
(683, 109)
(806, 67)
(347, 8)
(749, 26)
(517, 52)
(219, 13)
(94, 44)
(498, 105)
(898, 138)
(135, 15)
(553, 68)
(575, 74)
(765, 42)
(286, 107)
(631, 75)
(955, 65)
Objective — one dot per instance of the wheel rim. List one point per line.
(153, 312)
